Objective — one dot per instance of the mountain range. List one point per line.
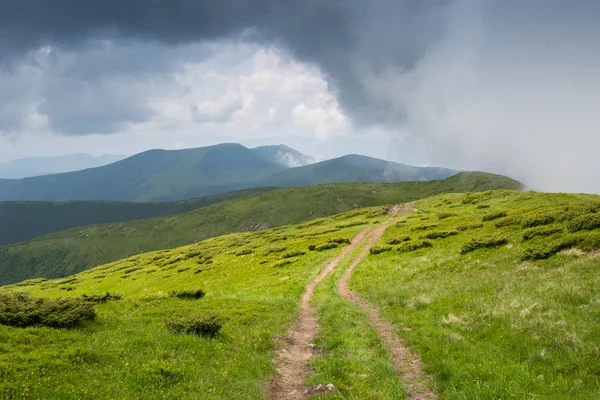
(36, 166)
(170, 175)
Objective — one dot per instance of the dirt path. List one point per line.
(292, 360)
(408, 365)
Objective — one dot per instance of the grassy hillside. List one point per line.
(64, 253)
(161, 175)
(496, 291)
(24, 220)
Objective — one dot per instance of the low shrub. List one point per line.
(438, 234)
(244, 252)
(339, 241)
(423, 227)
(591, 242)
(414, 245)
(472, 225)
(444, 215)
(539, 219)
(274, 249)
(101, 298)
(207, 325)
(494, 215)
(482, 206)
(544, 230)
(193, 294)
(21, 310)
(508, 221)
(399, 239)
(542, 251)
(584, 222)
(326, 246)
(291, 254)
(379, 249)
(351, 224)
(283, 263)
(312, 247)
(483, 242)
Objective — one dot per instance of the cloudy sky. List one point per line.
(507, 86)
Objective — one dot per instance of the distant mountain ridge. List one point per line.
(170, 175)
(37, 166)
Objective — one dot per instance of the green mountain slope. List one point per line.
(355, 168)
(63, 253)
(502, 303)
(283, 155)
(160, 175)
(36, 166)
(24, 220)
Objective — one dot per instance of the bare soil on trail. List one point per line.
(416, 382)
(292, 359)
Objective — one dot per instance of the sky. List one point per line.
(506, 86)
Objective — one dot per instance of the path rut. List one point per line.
(292, 360)
(408, 365)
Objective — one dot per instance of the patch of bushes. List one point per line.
(351, 224)
(482, 206)
(379, 249)
(101, 298)
(539, 219)
(193, 294)
(244, 252)
(207, 325)
(543, 251)
(483, 242)
(162, 371)
(591, 242)
(274, 249)
(283, 263)
(472, 225)
(412, 246)
(541, 231)
(21, 310)
(586, 222)
(423, 227)
(494, 215)
(438, 234)
(444, 215)
(399, 239)
(508, 221)
(291, 254)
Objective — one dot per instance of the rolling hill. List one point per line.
(161, 175)
(66, 252)
(24, 220)
(495, 295)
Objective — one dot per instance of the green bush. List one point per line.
(472, 225)
(326, 246)
(539, 219)
(291, 254)
(101, 298)
(483, 242)
(351, 224)
(244, 252)
(482, 206)
(508, 221)
(423, 227)
(494, 215)
(193, 294)
(412, 246)
(273, 249)
(207, 325)
(379, 249)
(543, 230)
(399, 239)
(312, 247)
(444, 215)
(591, 242)
(542, 251)
(21, 310)
(586, 222)
(339, 241)
(438, 234)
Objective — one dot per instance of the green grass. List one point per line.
(487, 324)
(129, 352)
(70, 251)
